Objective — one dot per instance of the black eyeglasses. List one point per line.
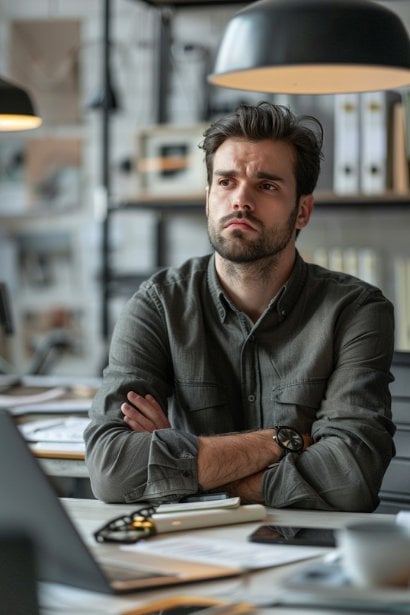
(128, 529)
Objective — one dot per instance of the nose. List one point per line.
(242, 198)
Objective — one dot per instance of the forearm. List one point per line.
(339, 472)
(232, 457)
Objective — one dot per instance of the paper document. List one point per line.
(60, 405)
(30, 395)
(246, 555)
(55, 430)
(19, 396)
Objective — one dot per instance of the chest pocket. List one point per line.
(297, 404)
(201, 408)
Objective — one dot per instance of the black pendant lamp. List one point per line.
(313, 47)
(16, 108)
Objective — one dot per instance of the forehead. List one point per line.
(265, 155)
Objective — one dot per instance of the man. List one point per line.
(249, 370)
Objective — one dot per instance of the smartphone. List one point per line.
(290, 535)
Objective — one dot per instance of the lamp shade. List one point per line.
(313, 47)
(16, 108)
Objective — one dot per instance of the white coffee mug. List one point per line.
(375, 553)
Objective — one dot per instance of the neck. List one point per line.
(251, 286)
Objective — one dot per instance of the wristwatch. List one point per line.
(289, 439)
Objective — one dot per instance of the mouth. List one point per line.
(240, 223)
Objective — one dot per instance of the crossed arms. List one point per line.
(234, 462)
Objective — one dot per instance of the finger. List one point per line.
(153, 402)
(150, 408)
(135, 420)
(163, 421)
(138, 427)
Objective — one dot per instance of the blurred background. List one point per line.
(111, 186)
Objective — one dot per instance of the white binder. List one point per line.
(369, 266)
(351, 261)
(335, 259)
(347, 144)
(373, 168)
(400, 180)
(401, 302)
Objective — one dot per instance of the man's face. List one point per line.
(251, 203)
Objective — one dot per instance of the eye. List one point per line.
(268, 186)
(225, 182)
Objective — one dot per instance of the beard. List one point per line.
(239, 248)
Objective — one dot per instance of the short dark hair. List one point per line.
(268, 121)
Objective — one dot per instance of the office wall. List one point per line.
(134, 36)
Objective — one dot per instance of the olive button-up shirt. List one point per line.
(318, 359)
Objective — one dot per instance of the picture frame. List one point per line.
(169, 160)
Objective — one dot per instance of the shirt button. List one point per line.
(251, 398)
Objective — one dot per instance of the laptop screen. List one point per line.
(29, 499)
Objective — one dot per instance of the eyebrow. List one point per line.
(222, 173)
(259, 175)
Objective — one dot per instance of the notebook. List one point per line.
(29, 499)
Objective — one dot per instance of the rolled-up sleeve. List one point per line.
(352, 431)
(126, 466)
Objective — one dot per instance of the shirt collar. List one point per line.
(284, 299)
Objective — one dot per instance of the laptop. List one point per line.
(18, 587)
(30, 501)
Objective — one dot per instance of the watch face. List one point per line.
(289, 439)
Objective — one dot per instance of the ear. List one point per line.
(306, 203)
(207, 201)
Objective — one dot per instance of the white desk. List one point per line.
(88, 515)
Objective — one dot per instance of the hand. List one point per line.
(249, 489)
(307, 440)
(143, 414)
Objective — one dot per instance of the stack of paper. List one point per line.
(26, 396)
